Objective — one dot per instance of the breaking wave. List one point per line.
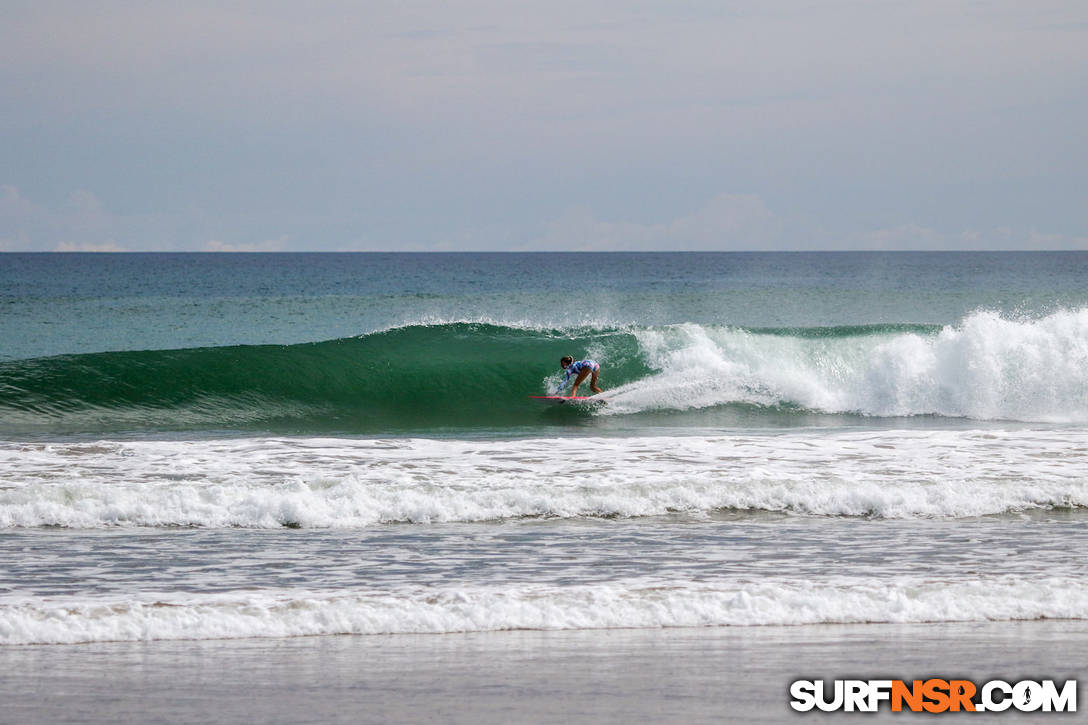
(466, 375)
(633, 604)
(343, 483)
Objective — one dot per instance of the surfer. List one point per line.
(581, 370)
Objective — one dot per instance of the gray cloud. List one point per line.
(421, 125)
(727, 222)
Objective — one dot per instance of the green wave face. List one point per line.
(432, 377)
(451, 377)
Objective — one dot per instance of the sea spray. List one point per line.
(985, 368)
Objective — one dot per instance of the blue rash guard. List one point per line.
(576, 367)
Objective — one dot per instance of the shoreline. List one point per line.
(711, 674)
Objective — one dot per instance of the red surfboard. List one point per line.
(560, 399)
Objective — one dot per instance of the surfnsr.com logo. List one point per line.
(933, 695)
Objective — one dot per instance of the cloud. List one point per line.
(271, 245)
(13, 203)
(431, 125)
(80, 223)
(915, 237)
(71, 247)
(726, 222)
(13, 208)
(743, 222)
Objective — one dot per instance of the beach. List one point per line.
(714, 674)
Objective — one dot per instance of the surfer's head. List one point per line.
(566, 361)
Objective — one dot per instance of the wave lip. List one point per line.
(346, 483)
(628, 604)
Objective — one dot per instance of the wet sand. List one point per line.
(726, 674)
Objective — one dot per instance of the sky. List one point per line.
(496, 125)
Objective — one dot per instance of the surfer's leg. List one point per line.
(593, 381)
(578, 381)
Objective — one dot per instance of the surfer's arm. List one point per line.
(566, 379)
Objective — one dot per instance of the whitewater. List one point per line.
(212, 448)
(320, 483)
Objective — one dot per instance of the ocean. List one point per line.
(232, 454)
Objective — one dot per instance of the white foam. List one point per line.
(273, 482)
(986, 368)
(630, 604)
